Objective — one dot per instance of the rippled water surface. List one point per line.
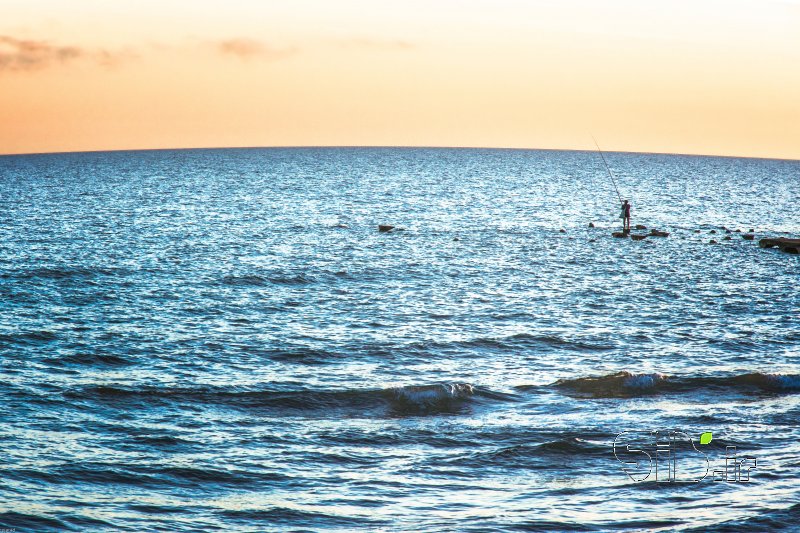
(221, 339)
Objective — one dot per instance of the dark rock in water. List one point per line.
(713, 231)
(592, 240)
(712, 241)
(748, 236)
(790, 246)
(641, 226)
(620, 235)
(697, 231)
(562, 231)
(738, 231)
(727, 231)
(456, 239)
(384, 228)
(638, 237)
(751, 230)
(658, 233)
(726, 238)
(591, 224)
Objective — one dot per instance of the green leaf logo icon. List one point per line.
(705, 438)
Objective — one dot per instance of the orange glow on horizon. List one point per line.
(703, 77)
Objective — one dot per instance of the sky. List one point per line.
(679, 76)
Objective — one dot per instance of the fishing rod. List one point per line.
(610, 174)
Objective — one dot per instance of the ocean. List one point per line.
(205, 340)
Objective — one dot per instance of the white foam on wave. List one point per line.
(432, 394)
(784, 381)
(643, 381)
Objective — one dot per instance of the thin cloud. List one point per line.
(251, 49)
(21, 55)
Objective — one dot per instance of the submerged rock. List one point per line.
(591, 224)
(383, 228)
(712, 241)
(641, 226)
(658, 233)
(638, 237)
(748, 236)
(620, 235)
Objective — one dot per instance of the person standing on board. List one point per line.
(625, 215)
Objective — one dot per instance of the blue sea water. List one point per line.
(201, 340)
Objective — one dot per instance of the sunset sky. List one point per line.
(681, 76)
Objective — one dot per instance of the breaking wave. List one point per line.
(435, 398)
(412, 399)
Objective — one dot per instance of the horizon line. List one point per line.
(65, 152)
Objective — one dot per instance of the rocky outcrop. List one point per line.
(790, 246)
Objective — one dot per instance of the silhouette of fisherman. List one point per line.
(625, 215)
